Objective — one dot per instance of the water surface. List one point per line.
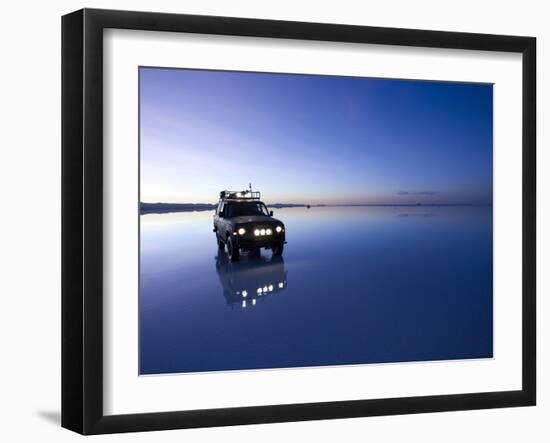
(355, 285)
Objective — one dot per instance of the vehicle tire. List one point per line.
(278, 249)
(232, 250)
(256, 252)
(221, 244)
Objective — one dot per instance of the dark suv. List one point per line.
(242, 222)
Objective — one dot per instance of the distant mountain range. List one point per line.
(164, 208)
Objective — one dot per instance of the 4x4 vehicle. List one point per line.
(242, 222)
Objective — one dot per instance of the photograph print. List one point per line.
(291, 221)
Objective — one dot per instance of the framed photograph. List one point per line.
(269, 221)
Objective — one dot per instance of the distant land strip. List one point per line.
(164, 208)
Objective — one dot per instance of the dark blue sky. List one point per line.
(314, 139)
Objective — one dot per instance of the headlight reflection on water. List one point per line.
(267, 289)
(259, 292)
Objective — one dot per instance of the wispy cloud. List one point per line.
(417, 193)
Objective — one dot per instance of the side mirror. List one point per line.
(271, 213)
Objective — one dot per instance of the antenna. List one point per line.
(250, 186)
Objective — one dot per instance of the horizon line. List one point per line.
(331, 204)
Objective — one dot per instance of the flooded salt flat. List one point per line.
(355, 285)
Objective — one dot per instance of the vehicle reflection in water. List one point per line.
(250, 280)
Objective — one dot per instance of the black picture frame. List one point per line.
(82, 221)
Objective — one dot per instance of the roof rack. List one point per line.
(240, 195)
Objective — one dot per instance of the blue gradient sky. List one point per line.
(313, 139)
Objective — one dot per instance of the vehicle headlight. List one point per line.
(279, 228)
(256, 232)
(262, 231)
(241, 231)
(268, 231)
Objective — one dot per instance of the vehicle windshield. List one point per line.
(248, 208)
